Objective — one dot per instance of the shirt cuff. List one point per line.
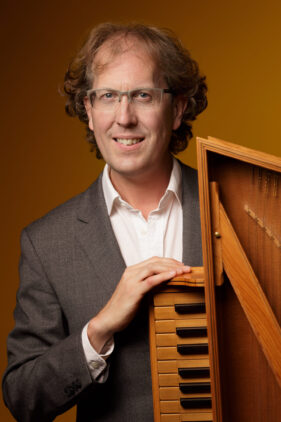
(97, 362)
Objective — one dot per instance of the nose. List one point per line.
(125, 113)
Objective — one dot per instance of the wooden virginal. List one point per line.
(240, 201)
(179, 351)
(240, 283)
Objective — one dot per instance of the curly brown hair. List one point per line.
(180, 71)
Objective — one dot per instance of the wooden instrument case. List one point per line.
(240, 202)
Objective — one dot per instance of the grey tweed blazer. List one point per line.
(70, 265)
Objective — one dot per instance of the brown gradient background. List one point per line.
(45, 159)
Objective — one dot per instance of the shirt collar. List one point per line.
(111, 194)
(175, 183)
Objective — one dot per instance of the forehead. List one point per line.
(128, 52)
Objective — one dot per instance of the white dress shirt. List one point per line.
(139, 239)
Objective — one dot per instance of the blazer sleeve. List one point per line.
(47, 370)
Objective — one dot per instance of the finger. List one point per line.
(161, 267)
(183, 270)
(156, 259)
(156, 279)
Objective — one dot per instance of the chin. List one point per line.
(130, 169)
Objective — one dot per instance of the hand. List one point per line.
(121, 308)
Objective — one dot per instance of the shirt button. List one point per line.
(94, 365)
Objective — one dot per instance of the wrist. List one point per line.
(98, 333)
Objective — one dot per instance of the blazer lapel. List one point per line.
(96, 236)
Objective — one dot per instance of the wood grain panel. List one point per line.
(249, 184)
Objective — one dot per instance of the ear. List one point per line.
(179, 107)
(88, 109)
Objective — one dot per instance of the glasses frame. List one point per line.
(127, 93)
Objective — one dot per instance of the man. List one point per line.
(87, 266)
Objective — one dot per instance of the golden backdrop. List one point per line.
(45, 159)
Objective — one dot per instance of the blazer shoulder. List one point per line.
(61, 219)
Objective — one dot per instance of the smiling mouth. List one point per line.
(128, 142)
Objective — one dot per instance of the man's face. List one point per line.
(150, 127)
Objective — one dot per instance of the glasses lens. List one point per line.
(103, 97)
(147, 96)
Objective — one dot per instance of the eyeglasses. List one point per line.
(107, 99)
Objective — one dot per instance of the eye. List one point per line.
(144, 96)
(107, 96)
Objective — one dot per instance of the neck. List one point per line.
(143, 192)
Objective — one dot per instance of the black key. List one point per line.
(203, 372)
(196, 403)
(191, 331)
(195, 387)
(190, 308)
(192, 349)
